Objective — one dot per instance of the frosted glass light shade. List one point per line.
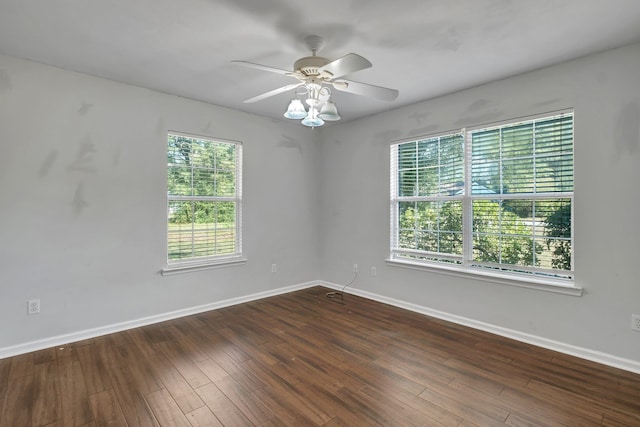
(312, 119)
(329, 112)
(296, 110)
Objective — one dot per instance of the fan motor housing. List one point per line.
(309, 65)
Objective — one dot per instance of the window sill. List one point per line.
(189, 267)
(503, 279)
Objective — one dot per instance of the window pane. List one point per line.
(203, 182)
(407, 182)
(526, 233)
(179, 180)
(428, 181)
(485, 145)
(202, 153)
(407, 225)
(225, 157)
(502, 233)
(431, 226)
(554, 173)
(225, 184)
(431, 167)
(451, 164)
(517, 141)
(428, 155)
(486, 178)
(555, 217)
(179, 150)
(517, 176)
(180, 230)
(554, 135)
(198, 172)
(407, 156)
(198, 228)
(530, 157)
(519, 221)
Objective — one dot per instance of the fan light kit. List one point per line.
(315, 76)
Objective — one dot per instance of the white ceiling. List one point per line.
(423, 48)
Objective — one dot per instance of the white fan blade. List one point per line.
(378, 92)
(350, 63)
(262, 67)
(272, 93)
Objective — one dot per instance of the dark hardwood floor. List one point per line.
(302, 359)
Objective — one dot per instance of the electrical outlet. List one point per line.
(373, 271)
(355, 268)
(274, 268)
(33, 306)
(635, 322)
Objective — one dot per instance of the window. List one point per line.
(204, 202)
(494, 200)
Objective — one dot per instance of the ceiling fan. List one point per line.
(316, 75)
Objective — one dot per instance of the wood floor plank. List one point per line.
(47, 407)
(282, 408)
(21, 366)
(19, 402)
(528, 404)
(618, 418)
(166, 409)
(94, 371)
(223, 408)
(251, 407)
(492, 376)
(66, 354)
(285, 385)
(179, 358)
(433, 414)
(106, 409)
(301, 359)
(471, 399)
(74, 395)
(109, 358)
(141, 341)
(135, 407)
(5, 366)
(237, 371)
(516, 420)
(212, 370)
(181, 337)
(445, 400)
(566, 399)
(141, 370)
(203, 417)
(46, 355)
(184, 395)
(331, 403)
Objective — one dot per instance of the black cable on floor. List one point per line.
(334, 294)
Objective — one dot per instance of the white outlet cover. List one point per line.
(33, 306)
(635, 322)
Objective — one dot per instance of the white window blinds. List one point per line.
(495, 198)
(204, 199)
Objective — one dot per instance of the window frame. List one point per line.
(463, 265)
(195, 263)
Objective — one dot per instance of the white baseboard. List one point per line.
(583, 353)
(109, 329)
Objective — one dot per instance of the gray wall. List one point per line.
(82, 203)
(605, 91)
